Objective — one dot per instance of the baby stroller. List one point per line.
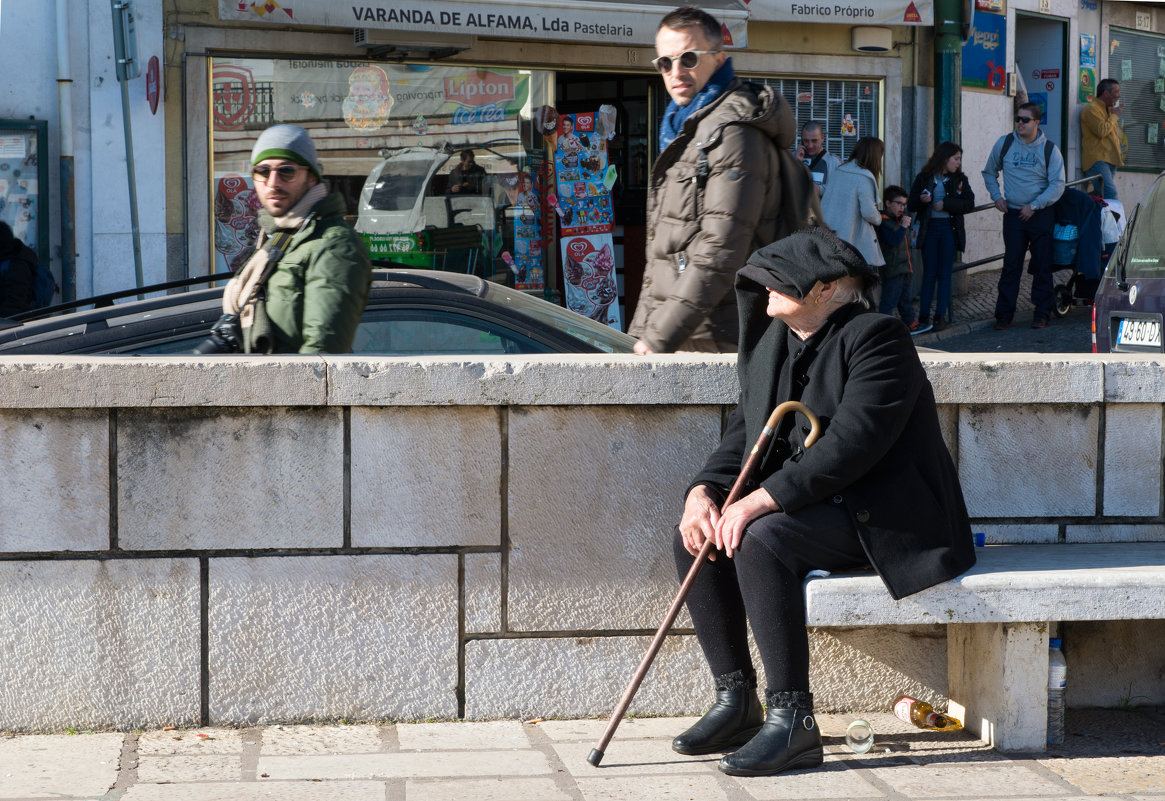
(1079, 244)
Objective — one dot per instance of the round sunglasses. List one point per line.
(687, 59)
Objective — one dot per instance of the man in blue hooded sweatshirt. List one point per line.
(715, 192)
(1033, 174)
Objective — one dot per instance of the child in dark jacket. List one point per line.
(896, 273)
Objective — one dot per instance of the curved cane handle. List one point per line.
(794, 406)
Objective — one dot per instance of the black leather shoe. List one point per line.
(732, 721)
(789, 740)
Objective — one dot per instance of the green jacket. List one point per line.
(316, 295)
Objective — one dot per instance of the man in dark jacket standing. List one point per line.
(715, 190)
(17, 273)
(321, 274)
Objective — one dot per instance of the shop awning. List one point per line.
(845, 12)
(624, 22)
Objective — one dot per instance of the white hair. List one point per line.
(849, 290)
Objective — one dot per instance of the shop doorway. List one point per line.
(1041, 50)
(636, 99)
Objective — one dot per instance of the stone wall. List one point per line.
(237, 541)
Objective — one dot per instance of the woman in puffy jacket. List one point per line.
(850, 203)
(939, 197)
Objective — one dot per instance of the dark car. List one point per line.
(409, 313)
(1126, 315)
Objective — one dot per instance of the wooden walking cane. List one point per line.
(596, 754)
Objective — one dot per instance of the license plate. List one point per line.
(1139, 332)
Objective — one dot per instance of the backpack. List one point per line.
(44, 287)
(800, 206)
(1048, 147)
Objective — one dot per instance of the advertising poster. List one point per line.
(580, 166)
(589, 266)
(20, 185)
(583, 180)
(525, 191)
(985, 52)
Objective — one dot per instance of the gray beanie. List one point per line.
(287, 142)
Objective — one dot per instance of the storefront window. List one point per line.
(434, 162)
(1137, 60)
(847, 109)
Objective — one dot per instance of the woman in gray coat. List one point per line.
(850, 202)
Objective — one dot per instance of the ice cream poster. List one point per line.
(583, 176)
(589, 268)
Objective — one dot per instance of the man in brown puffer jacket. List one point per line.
(717, 190)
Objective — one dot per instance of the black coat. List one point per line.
(959, 200)
(881, 454)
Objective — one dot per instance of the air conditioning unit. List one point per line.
(433, 45)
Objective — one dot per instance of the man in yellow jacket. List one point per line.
(1100, 135)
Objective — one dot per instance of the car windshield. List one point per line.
(1144, 246)
(593, 333)
(402, 179)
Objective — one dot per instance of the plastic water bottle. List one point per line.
(1057, 681)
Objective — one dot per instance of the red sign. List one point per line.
(233, 94)
(1049, 74)
(152, 84)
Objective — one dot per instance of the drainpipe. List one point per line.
(65, 115)
(948, 71)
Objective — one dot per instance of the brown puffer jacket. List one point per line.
(696, 241)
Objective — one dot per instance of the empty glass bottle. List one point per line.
(923, 715)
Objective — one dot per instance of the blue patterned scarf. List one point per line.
(674, 117)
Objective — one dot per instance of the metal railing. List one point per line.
(959, 266)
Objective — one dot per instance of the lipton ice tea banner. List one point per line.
(583, 180)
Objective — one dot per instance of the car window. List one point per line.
(602, 337)
(1144, 255)
(415, 332)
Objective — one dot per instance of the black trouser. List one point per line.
(763, 583)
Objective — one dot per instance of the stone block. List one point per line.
(542, 380)
(998, 678)
(582, 676)
(1028, 461)
(99, 644)
(593, 496)
(204, 478)
(483, 592)
(58, 382)
(54, 489)
(890, 660)
(1114, 663)
(1132, 459)
(1017, 534)
(1134, 378)
(302, 639)
(948, 420)
(1116, 532)
(1015, 378)
(426, 476)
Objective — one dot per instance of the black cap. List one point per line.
(793, 265)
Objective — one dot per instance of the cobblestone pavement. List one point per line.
(1118, 754)
(974, 308)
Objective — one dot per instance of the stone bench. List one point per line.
(997, 617)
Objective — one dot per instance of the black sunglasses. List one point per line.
(1024, 120)
(286, 172)
(687, 59)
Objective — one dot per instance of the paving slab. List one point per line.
(492, 735)
(186, 768)
(61, 765)
(656, 788)
(410, 765)
(508, 789)
(267, 791)
(291, 740)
